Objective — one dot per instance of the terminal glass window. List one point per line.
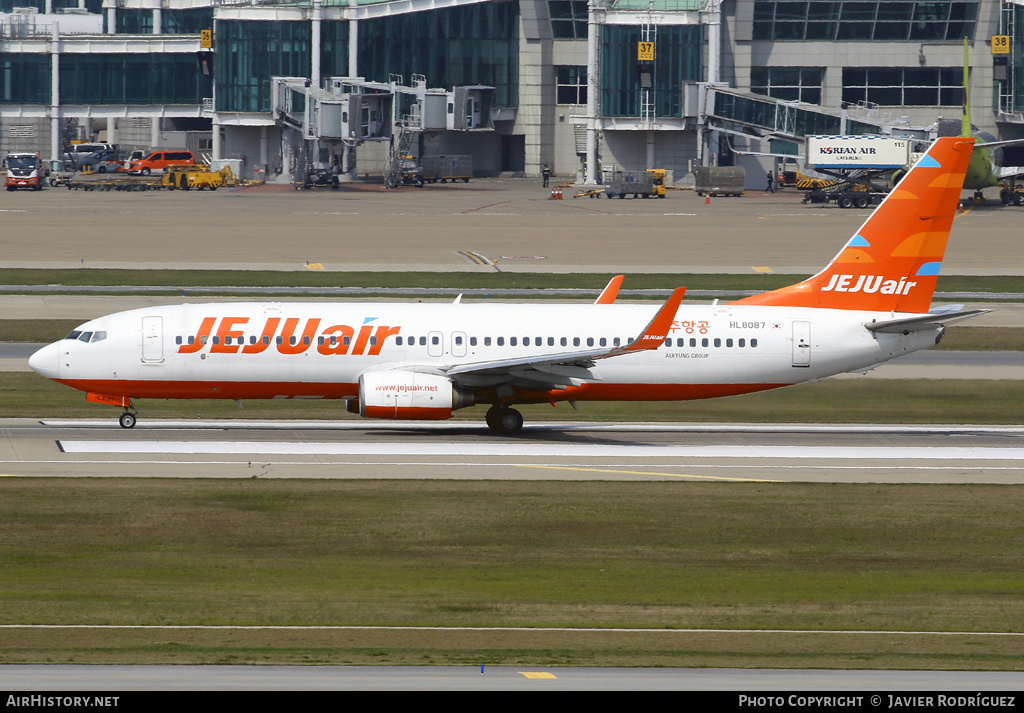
(677, 59)
(458, 46)
(187, 22)
(866, 20)
(571, 85)
(789, 83)
(134, 22)
(132, 79)
(903, 86)
(334, 48)
(250, 52)
(24, 79)
(568, 19)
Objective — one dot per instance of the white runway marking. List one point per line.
(537, 450)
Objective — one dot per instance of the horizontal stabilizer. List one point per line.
(922, 323)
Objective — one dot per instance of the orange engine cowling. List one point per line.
(409, 395)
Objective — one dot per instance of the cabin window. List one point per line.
(753, 343)
(501, 341)
(728, 342)
(575, 341)
(603, 342)
(742, 343)
(704, 342)
(563, 341)
(177, 340)
(487, 341)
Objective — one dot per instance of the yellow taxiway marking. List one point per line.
(641, 472)
(764, 269)
(538, 674)
(314, 266)
(475, 257)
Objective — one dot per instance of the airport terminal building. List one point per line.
(571, 84)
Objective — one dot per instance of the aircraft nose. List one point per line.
(46, 361)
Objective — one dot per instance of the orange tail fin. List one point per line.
(892, 263)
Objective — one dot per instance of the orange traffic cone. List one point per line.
(707, 199)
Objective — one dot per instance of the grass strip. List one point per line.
(444, 553)
(27, 395)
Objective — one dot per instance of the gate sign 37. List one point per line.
(645, 51)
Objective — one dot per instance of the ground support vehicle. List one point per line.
(407, 173)
(115, 182)
(25, 170)
(719, 180)
(320, 178)
(638, 183)
(854, 189)
(198, 177)
(447, 168)
(59, 175)
(589, 194)
(1012, 195)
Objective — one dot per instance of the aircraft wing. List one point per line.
(559, 366)
(925, 321)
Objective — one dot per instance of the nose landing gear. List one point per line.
(127, 419)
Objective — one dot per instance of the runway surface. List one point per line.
(468, 451)
(497, 678)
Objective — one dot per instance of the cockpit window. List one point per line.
(80, 336)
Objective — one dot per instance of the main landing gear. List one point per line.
(504, 421)
(127, 419)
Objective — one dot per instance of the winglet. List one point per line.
(656, 332)
(610, 292)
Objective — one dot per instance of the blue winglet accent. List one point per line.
(928, 162)
(929, 268)
(858, 241)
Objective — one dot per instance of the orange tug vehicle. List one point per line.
(25, 170)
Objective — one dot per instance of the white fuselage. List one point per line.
(319, 350)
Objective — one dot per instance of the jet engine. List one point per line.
(409, 395)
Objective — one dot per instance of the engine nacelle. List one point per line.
(409, 395)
